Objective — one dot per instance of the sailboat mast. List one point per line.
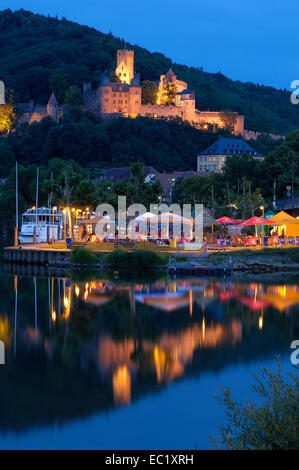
(36, 199)
(17, 210)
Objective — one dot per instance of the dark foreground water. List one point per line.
(98, 363)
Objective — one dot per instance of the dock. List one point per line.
(36, 256)
(197, 270)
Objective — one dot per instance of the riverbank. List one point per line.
(245, 260)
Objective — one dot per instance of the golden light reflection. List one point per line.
(203, 328)
(77, 290)
(122, 385)
(5, 331)
(53, 315)
(261, 322)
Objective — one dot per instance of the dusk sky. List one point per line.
(247, 40)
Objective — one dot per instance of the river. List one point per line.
(98, 362)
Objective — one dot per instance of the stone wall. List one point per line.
(160, 111)
(252, 135)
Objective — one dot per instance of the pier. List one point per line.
(37, 256)
(192, 270)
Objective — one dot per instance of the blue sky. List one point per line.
(247, 40)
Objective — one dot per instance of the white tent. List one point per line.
(169, 217)
(145, 216)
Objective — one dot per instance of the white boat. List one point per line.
(42, 219)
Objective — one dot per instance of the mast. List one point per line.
(36, 198)
(17, 210)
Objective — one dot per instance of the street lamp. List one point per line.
(76, 220)
(263, 213)
(53, 210)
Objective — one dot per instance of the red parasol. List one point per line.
(227, 220)
(254, 304)
(255, 221)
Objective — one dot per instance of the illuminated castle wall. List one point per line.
(124, 99)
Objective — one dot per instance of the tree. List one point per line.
(73, 96)
(7, 158)
(114, 78)
(149, 92)
(59, 83)
(67, 180)
(8, 118)
(254, 199)
(168, 94)
(271, 425)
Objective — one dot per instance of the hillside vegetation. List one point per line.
(35, 50)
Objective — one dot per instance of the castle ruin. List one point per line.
(124, 98)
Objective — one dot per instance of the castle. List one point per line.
(124, 98)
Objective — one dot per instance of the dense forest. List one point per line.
(35, 50)
(165, 145)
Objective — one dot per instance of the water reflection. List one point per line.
(75, 347)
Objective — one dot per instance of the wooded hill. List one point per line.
(34, 47)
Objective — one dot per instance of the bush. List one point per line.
(81, 255)
(135, 259)
(273, 425)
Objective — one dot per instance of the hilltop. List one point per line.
(34, 47)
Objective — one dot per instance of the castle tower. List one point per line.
(125, 65)
(52, 107)
(185, 100)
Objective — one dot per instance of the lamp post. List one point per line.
(76, 221)
(263, 213)
(64, 223)
(53, 239)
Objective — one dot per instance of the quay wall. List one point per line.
(36, 257)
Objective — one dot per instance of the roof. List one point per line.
(166, 179)
(170, 73)
(136, 80)
(289, 203)
(230, 146)
(283, 216)
(94, 220)
(186, 92)
(105, 79)
(120, 87)
(53, 101)
(115, 174)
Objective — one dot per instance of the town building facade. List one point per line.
(214, 157)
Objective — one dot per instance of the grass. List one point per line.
(133, 259)
(291, 253)
(82, 255)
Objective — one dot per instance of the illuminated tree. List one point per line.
(8, 118)
(168, 94)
